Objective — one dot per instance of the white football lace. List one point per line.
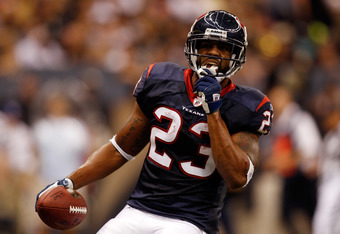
(78, 210)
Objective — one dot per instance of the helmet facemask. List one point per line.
(236, 59)
(222, 27)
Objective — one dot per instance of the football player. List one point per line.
(203, 132)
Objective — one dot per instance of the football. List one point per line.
(60, 209)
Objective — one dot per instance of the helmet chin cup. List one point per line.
(203, 71)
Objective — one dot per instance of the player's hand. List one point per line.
(66, 182)
(209, 89)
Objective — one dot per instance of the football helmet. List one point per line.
(220, 26)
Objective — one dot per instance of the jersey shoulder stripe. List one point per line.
(165, 71)
(250, 97)
(149, 69)
(264, 100)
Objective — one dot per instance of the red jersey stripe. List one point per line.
(149, 70)
(264, 100)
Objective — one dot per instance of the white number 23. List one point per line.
(169, 136)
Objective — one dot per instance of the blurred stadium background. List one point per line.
(71, 65)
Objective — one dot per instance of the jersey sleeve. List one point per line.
(144, 91)
(141, 82)
(263, 117)
(158, 85)
(247, 109)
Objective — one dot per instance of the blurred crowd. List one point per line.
(68, 67)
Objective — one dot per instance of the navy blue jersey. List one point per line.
(179, 178)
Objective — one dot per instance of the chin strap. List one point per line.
(201, 72)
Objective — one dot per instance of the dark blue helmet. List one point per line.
(218, 26)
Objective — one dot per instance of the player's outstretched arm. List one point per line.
(237, 156)
(100, 164)
(131, 140)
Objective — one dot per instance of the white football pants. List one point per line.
(134, 221)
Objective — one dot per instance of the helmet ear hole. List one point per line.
(220, 26)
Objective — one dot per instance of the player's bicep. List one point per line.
(134, 135)
(249, 143)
